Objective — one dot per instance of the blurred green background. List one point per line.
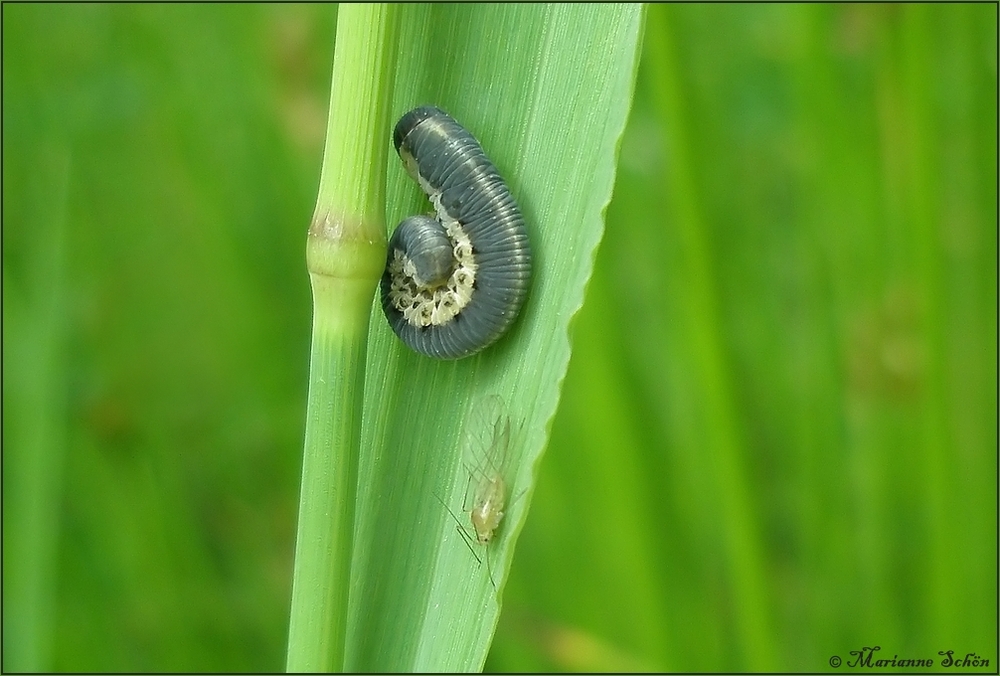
(778, 434)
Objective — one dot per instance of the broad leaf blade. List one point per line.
(546, 90)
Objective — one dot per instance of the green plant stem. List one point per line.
(702, 312)
(345, 254)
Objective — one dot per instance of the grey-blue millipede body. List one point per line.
(455, 282)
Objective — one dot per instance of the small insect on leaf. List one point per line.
(490, 495)
(486, 461)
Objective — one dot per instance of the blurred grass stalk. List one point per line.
(35, 408)
(345, 254)
(700, 319)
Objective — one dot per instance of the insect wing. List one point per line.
(488, 440)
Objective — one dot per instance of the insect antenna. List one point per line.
(466, 538)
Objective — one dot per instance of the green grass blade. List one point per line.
(842, 183)
(345, 253)
(546, 89)
(34, 354)
(701, 328)
(843, 163)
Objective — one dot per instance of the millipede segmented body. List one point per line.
(455, 282)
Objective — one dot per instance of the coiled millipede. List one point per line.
(454, 283)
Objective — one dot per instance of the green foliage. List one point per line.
(421, 602)
(345, 255)
(776, 441)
